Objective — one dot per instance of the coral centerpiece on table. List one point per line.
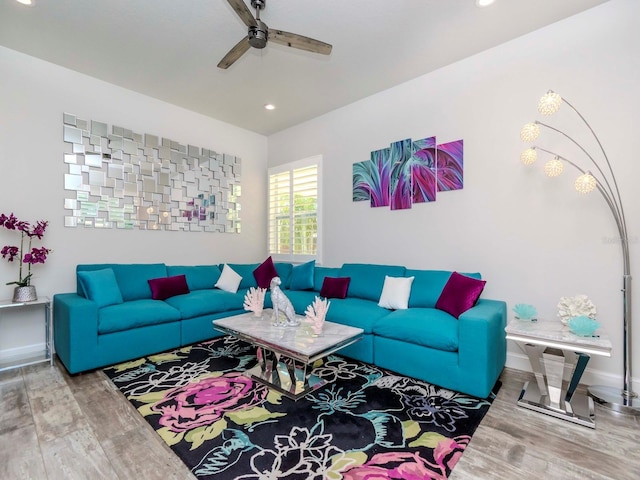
(254, 300)
(316, 313)
(576, 306)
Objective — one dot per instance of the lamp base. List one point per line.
(614, 399)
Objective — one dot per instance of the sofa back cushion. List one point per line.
(100, 286)
(285, 271)
(367, 279)
(199, 277)
(320, 273)
(302, 276)
(427, 286)
(245, 270)
(167, 287)
(133, 279)
(460, 294)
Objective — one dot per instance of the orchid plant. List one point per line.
(33, 255)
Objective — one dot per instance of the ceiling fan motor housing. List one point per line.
(258, 35)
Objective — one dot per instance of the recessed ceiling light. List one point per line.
(269, 106)
(484, 3)
(25, 2)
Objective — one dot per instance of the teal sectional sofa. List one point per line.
(465, 354)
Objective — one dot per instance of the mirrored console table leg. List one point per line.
(546, 394)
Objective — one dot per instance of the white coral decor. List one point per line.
(316, 313)
(579, 305)
(254, 300)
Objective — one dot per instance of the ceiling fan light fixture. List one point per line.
(484, 3)
(269, 106)
(25, 2)
(258, 35)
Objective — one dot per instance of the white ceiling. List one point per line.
(169, 49)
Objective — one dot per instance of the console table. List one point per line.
(46, 354)
(550, 346)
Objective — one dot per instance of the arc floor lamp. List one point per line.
(604, 181)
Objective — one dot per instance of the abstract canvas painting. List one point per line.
(400, 184)
(380, 177)
(423, 170)
(450, 166)
(362, 181)
(409, 172)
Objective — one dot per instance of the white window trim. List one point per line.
(305, 162)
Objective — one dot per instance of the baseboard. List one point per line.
(520, 361)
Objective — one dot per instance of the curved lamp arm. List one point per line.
(610, 202)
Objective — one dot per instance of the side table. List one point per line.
(46, 354)
(550, 346)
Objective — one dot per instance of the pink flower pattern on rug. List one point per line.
(206, 401)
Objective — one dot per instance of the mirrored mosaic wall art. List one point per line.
(116, 178)
(408, 172)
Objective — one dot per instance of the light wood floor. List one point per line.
(53, 426)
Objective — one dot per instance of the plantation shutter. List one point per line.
(293, 212)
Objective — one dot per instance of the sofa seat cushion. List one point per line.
(135, 314)
(428, 327)
(205, 302)
(355, 312)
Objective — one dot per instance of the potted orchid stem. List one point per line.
(24, 291)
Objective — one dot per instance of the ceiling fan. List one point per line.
(259, 34)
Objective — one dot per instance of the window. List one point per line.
(294, 213)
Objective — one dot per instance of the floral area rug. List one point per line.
(366, 423)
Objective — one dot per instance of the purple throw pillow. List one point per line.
(335, 287)
(265, 273)
(459, 294)
(166, 287)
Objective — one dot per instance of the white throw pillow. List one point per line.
(395, 293)
(230, 280)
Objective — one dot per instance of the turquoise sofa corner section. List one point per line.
(465, 354)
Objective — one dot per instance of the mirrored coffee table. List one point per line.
(286, 354)
(550, 347)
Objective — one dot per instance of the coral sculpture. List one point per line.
(254, 300)
(583, 326)
(579, 305)
(525, 312)
(316, 313)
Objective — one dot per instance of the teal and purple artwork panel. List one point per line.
(380, 177)
(400, 184)
(423, 170)
(450, 166)
(362, 181)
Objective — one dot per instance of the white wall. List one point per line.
(33, 96)
(533, 238)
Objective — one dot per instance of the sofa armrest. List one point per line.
(482, 341)
(75, 330)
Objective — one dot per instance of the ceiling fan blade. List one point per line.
(235, 53)
(243, 12)
(299, 41)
